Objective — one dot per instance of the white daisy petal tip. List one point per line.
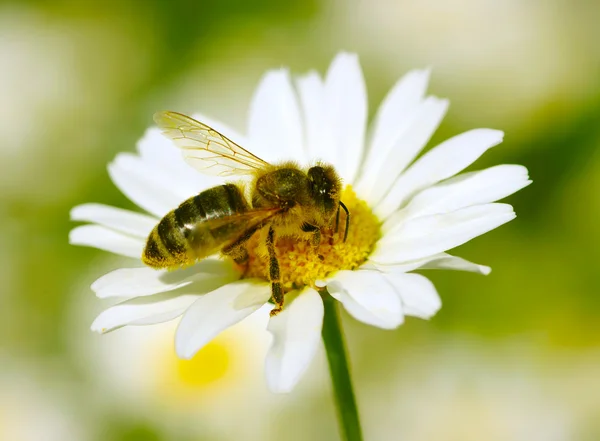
(214, 312)
(430, 235)
(320, 283)
(275, 128)
(74, 212)
(145, 281)
(98, 328)
(416, 292)
(419, 76)
(343, 57)
(275, 76)
(437, 261)
(495, 136)
(124, 221)
(140, 311)
(296, 337)
(345, 114)
(485, 270)
(97, 236)
(368, 297)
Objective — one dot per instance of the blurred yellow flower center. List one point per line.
(301, 264)
(220, 367)
(207, 366)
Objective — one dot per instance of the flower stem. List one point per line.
(333, 338)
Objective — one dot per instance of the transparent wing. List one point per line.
(205, 149)
(227, 229)
(237, 222)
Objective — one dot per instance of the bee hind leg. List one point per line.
(237, 250)
(274, 275)
(316, 234)
(239, 254)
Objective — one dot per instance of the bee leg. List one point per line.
(316, 232)
(239, 255)
(274, 276)
(237, 250)
(337, 219)
(347, 219)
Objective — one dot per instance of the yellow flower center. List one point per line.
(210, 364)
(221, 365)
(301, 264)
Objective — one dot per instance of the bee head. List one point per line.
(324, 187)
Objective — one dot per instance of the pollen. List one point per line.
(302, 264)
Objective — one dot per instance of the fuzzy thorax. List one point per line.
(301, 264)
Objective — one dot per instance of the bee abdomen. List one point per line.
(181, 237)
(166, 246)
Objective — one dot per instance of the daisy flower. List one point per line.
(37, 404)
(406, 212)
(137, 374)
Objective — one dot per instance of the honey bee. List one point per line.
(284, 200)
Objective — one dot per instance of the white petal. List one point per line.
(124, 221)
(275, 126)
(346, 107)
(368, 297)
(216, 311)
(449, 262)
(148, 185)
(473, 188)
(442, 162)
(437, 261)
(158, 150)
(296, 337)
(399, 104)
(145, 281)
(144, 311)
(386, 168)
(108, 240)
(311, 91)
(426, 236)
(417, 293)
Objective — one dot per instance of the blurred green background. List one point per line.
(511, 356)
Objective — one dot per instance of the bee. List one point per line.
(283, 200)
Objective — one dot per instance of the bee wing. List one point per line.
(242, 221)
(205, 149)
(228, 229)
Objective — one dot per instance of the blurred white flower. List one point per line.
(58, 71)
(137, 373)
(406, 212)
(469, 390)
(509, 60)
(33, 410)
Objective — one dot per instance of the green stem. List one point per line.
(333, 338)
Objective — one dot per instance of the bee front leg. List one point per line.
(347, 219)
(274, 275)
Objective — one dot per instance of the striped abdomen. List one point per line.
(184, 234)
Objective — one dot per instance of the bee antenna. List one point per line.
(347, 220)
